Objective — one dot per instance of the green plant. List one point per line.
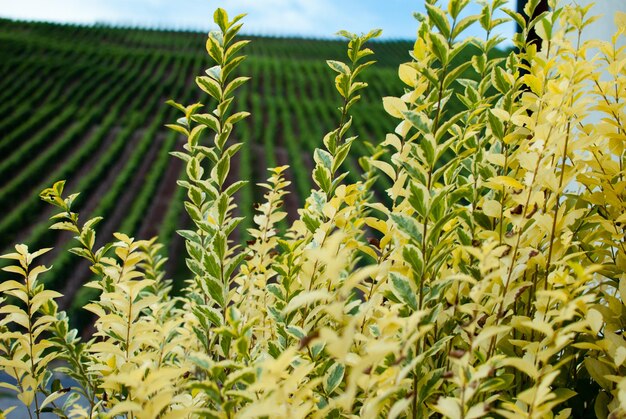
(490, 285)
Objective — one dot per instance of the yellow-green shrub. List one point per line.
(491, 286)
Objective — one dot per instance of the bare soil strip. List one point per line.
(163, 197)
(70, 185)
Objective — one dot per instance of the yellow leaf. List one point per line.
(506, 181)
(27, 397)
(620, 356)
(408, 74)
(306, 298)
(595, 320)
(534, 83)
(477, 411)
(393, 140)
(51, 398)
(399, 408)
(39, 253)
(394, 106)
(488, 332)
(599, 371)
(385, 167)
(124, 407)
(501, 114)
(10, 285)
(43, 297)
(449, 407)
(492, 208)
(34, 273)
(376, 224)
(528, 396)
(15, 269)
(522, 365)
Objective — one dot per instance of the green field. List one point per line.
(87, 104)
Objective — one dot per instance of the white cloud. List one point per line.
(66, 10)
(271, 17)
(279, 17)
(317, 18)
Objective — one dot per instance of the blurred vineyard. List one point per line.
(86, 104)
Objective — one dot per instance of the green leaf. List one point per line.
(418, 120)
(346, 34)
(234, 48)
(190, 235)
(208, 120)
(402, 289)
(213, 315)
(439, 18)
(214, 47)
(233, 63)
(221, 18)
(323, 158)
(296, 332)
(408, 226)
(413, 256)
(176, 105)
(233, 264)
(339, 67)
(276, 291)
(193, 212)
(178, 128)
(215, 290)
(211, 264)
(330, 141)
(312, 224)
(342, 84)
(485, 18)
(237, 82)
(456, 73)
(194, 136)
(234, 30)
(530, 6)
(232, 189)
(333, 377)
(223, 107)
(183, 156)
(440, 47)
(321, 176)
(340, 156)
(456, 6)
(219, 243)
(496, 125)
(419, 198)
(518, 18)
(236, 117)
(501, 80)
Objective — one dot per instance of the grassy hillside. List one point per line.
(87, 104)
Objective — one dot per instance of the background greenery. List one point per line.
(87, 104)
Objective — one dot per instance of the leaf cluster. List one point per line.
(491, 284)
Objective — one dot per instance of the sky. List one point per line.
(306, 18)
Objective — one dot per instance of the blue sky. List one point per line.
(310, 18)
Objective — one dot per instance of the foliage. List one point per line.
(491, 284)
